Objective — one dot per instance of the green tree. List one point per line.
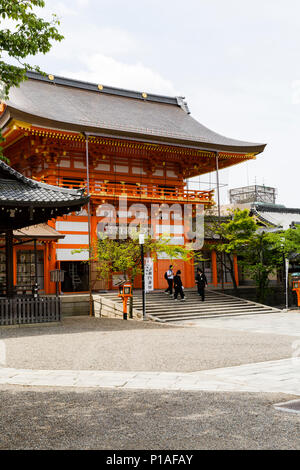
(262, 257)
(124, 256)
(113, 256)
(261, 251)
(265, 255)
(23, 33)
(291, 242)
(231, 237)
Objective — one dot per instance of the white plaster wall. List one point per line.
(68, 226)
(67, 255)
(74, 240)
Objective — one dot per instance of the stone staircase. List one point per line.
(163, 308)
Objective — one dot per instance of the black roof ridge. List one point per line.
(255, 212)
(266, 208)
(37, 184)
(141, 95)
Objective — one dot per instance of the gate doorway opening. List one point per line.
(76, 276)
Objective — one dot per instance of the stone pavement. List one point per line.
(275, 376)
(281, 376)
(287, 323)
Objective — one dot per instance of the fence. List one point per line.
(22, 310)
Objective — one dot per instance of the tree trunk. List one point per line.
(232, 274)
(131, 300)
(230, 270)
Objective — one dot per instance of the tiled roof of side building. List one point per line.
(16, 188)
(277, 216)
(73, 105)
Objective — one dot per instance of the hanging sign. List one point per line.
(148, 271)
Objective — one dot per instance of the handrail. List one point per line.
(152, 191)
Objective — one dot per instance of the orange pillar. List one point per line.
(189, 273)
(155, 276)
(94, 237)
(46, 269)
(51, 263)
(236, 269)
(214, 268)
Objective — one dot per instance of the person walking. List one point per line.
(178, 286)
(169, 275)
(201, 283)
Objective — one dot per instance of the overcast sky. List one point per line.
(237, 63)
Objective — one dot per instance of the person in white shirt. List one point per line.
(169, 275)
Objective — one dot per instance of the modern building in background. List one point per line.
(261, 202)
(116, 143)
(252, 194)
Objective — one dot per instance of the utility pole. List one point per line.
(89, 221)
(141, 242)
(219, 213)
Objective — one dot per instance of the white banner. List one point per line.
(148, 274)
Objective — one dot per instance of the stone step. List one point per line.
(212, 315)
(196, 301)
(204, 311)
(161, 307)
(195, 305)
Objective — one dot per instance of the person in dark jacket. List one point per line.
(201, 283)
(178, 286)
(169, 275)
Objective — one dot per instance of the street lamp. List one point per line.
(141, 242)
(286, 283)
(286, 272)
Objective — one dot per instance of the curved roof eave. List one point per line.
(72, 105)
(69, 197)
(34, 119)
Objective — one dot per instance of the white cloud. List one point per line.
(62, 8)
(105, 70)
(109, 41)
(82, 3)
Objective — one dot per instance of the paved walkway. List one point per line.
(286, 323)
(281, 376)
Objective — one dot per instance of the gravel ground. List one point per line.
(106, 419)
(85, 343)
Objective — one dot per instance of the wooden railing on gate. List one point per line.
(146, 192)
(26, 310)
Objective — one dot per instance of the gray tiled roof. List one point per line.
(72, 105)
(17, 189)
(279, 216)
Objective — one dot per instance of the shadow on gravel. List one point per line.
(78, 324)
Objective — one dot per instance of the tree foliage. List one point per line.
(23, 33)
(266, 252)
(110, 256)
(230, 237)
(262, 256)
(124, 256)
(28, 35)
(261, 252)
(291, 242)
